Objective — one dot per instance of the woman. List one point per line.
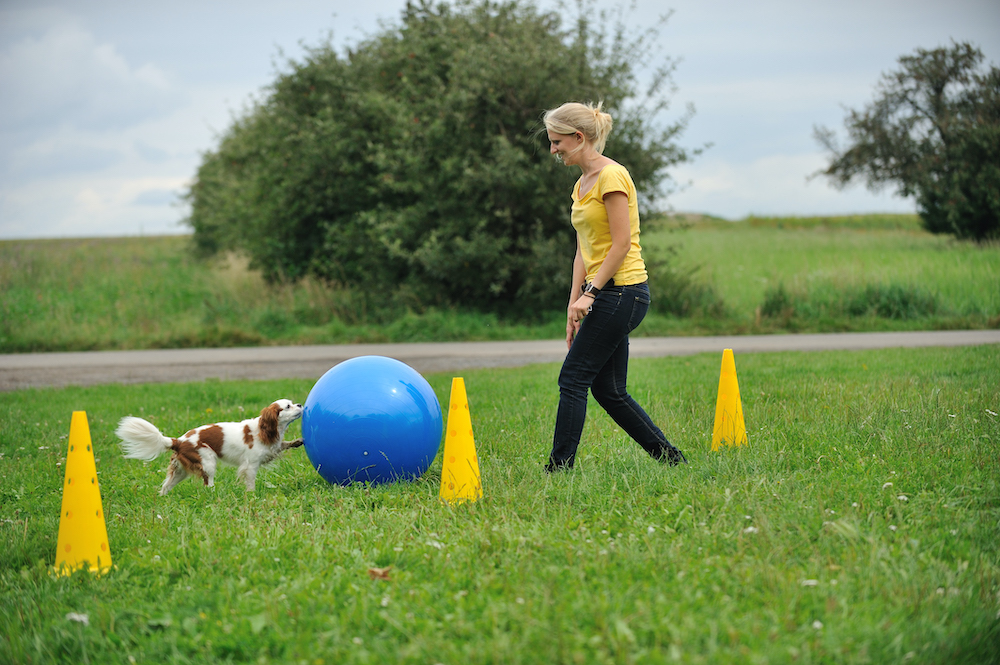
(609, 295)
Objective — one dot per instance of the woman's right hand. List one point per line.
(572, 327)
(574, 315)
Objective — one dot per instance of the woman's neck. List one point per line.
(591, 164)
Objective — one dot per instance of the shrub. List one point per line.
(414, 162)
(892, 302)
(680, 291)
(777, 302)
(887, 301)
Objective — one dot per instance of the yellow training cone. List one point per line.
(729, 427)
(460, 479)
(83, 535)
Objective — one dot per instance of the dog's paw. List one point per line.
(295, 443)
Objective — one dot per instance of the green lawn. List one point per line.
(859, 526)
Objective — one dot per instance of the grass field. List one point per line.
(859, 526)
(823, 260)
(758, 275)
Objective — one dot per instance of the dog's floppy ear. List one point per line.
(269, 424)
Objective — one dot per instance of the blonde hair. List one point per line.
(589, 120)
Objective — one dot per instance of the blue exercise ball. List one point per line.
(371, 419)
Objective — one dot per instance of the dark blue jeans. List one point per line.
(598, 361)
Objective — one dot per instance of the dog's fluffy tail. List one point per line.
(141, 439)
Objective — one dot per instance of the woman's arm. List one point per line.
(573, 317)
(616, 203)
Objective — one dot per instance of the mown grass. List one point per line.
(859, 526)
(708, 277)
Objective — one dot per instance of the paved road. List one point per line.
(18, 371)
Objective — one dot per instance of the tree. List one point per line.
(415, 167)
(933, 131)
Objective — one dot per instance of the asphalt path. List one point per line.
(37, 370)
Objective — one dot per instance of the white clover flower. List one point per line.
(902, 497)
(886, 485)
(750, 529)
(650, 529)
(79, 618)
(892, 527)
(855, 505)
(817, 624)
(810, 582)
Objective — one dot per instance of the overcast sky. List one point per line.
(107, 105)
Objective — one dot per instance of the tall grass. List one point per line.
(858, 526)
(707, 276)
(154, 293)
(821, 260)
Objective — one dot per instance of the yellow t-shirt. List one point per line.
(590, 219)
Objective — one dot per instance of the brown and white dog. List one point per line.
(248, 444)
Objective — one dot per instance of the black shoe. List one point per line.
(552, 467)
(672, 456)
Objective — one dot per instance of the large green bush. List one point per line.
(412, 168)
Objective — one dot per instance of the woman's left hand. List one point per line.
(580, 308)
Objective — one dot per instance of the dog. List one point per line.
(247, 445)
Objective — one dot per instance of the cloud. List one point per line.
(773, 185)
(156, 197)
(150, 153)
(66, 77)
(98, 205)
(56, 158)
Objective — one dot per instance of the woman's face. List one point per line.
(564, 146)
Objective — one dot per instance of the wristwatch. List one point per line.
(591, 290)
